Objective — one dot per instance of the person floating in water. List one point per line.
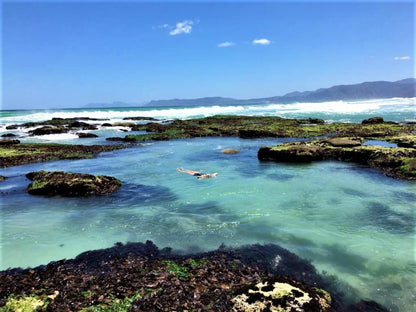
(197, 174)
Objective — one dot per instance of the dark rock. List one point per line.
(8, 135)
(70, 184)
(11, 127)
(156, 127)
(82, 135)
(312, 121)
(48, 130)
(115, 139)
(83, 125)
(139, 118)
(406, 144)
(2, 178)
(106, 124)
(249, 134)
(159, 280)
(373, 120)
(9, 142)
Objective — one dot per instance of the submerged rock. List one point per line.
(70, 184)
(230, 151)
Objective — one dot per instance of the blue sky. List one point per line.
(67, 54)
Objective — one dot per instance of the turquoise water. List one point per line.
(349, 220)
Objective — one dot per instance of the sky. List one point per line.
(65, 54)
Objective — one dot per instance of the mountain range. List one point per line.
(362, 91)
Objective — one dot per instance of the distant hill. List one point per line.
(362, 91)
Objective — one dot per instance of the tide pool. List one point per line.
(349, 220)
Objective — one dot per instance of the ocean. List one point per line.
(349, 220)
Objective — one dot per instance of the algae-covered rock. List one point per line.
(373, 120)
(397, 162)
(70, 184)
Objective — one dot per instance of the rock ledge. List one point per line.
(70, 184)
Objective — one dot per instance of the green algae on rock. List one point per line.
(260, 127)
(25, 153)
(398, 162)
(70, 184)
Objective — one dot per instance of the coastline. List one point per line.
(235, 126)
(404, 166)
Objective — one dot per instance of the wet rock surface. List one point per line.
(70, 184)
(15, 154)
(83, 135)
(140, 277)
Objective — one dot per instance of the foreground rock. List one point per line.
(397, 162)
(70, 184)
(140, 277)
(281, 293)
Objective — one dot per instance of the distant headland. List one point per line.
(362, 91)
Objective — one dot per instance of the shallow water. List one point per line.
(349, 220)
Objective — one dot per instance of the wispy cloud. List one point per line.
(402, 58)
(184, 27)
(262, 41)
(225, 44)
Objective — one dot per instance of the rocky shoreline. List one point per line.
(141, 277)
(343, 141)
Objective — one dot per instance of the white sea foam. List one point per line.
(56, 137)
(271, 109)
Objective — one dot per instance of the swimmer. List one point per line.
(199, 175)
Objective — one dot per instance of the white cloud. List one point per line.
(262, 41)
(184, 27)
(402, 58)
(225, 44)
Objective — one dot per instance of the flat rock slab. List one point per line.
(70, 184)
(396, 162)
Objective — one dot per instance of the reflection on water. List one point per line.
(350, 221)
